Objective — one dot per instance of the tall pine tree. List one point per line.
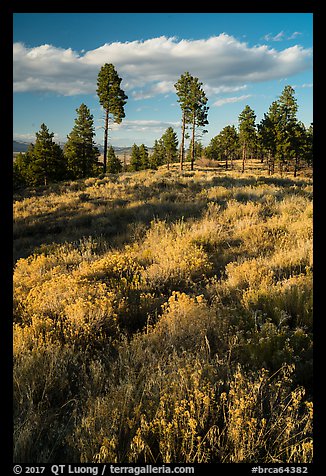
(135, 159)
(228, 144)
(198, 113)
(183, 86)
(247, 133)
(144, 157)
(308, 150)
(80, 150)
(112, 98)
(114, 165)
(170, 145)
(43, 162)
(268, 133)
(282, 136)
(287, 127)
(193, 102)
(157, 157)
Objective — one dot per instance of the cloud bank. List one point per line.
(152, 66)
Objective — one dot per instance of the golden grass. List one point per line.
(164, 316)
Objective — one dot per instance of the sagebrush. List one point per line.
(164, 316)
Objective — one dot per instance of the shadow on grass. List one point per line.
(118, 221)
(118, 225)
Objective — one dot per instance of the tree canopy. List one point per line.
(80, 150)
(44, 161)
(114, 164)
(112, 98)
(279, 139)
(192, 100)
(247, 132)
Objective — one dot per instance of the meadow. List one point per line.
(164, 316)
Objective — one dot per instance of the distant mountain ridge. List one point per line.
(23, 146)
(19, 146)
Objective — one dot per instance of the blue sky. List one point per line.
(241, 58)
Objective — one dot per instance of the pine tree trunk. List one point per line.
(182, 141)
(243, 157)
(106, 129)
(296, 166)
(193, 143)
(84, 167)
(281, 166)
(269, 162)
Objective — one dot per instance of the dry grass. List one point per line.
(164, 316)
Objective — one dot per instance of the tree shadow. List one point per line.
(119, 221)
(118, 225)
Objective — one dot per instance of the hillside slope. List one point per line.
(162, 316)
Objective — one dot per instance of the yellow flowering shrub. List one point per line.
(182, 426)
(172, 258)
(248, 273)
(184, 323)
(156, 314)
(253, 432)
(118, 270)
(45, 377)
(196, 418)
(77, 308)
(291, 299)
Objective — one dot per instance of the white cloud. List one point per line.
(223, 89)
(222, 101)
(162, 87)
(302, 86)
(282, 36)
(30, 138)
(294, 35)
(152, 66)
(144, 125)
(24, 137)
(278, 37)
